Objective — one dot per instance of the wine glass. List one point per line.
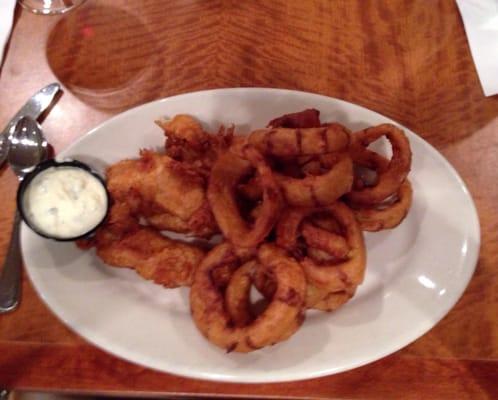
(48, 7)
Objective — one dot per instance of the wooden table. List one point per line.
(408, 60)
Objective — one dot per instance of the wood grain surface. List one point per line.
(408, 60)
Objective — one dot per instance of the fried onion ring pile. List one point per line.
(283, 312)
(291, 202)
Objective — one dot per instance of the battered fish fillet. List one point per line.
(168, 194)
(122, 242)
(186, 129)
(186, 141)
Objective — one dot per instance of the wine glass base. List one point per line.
(49, 7)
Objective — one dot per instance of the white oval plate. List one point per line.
(415, 273)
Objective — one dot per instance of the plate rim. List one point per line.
(470, 264)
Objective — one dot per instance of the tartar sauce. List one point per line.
(65, 202)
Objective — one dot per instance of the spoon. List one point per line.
(34, 108)
(27, 148)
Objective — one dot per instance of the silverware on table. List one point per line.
(33, 108)
(28, 147)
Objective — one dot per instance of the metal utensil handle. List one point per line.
(34, 107)
(10, 280)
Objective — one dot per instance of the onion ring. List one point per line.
(374, 219)
(251, 190)
(389, 179)
(313, 190)
(326, 222)
(227, 171)
(237, 294)
(214, 322)
(330, 276)
(316, 299)
(321, 239)
(330, 301)
(318, 190)
(285, 142)
(237, 298)
(319, 256)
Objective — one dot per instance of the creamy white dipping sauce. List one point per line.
(65, 202)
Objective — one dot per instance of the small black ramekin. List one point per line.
(52, 163)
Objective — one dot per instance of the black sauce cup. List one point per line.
(52, 163)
